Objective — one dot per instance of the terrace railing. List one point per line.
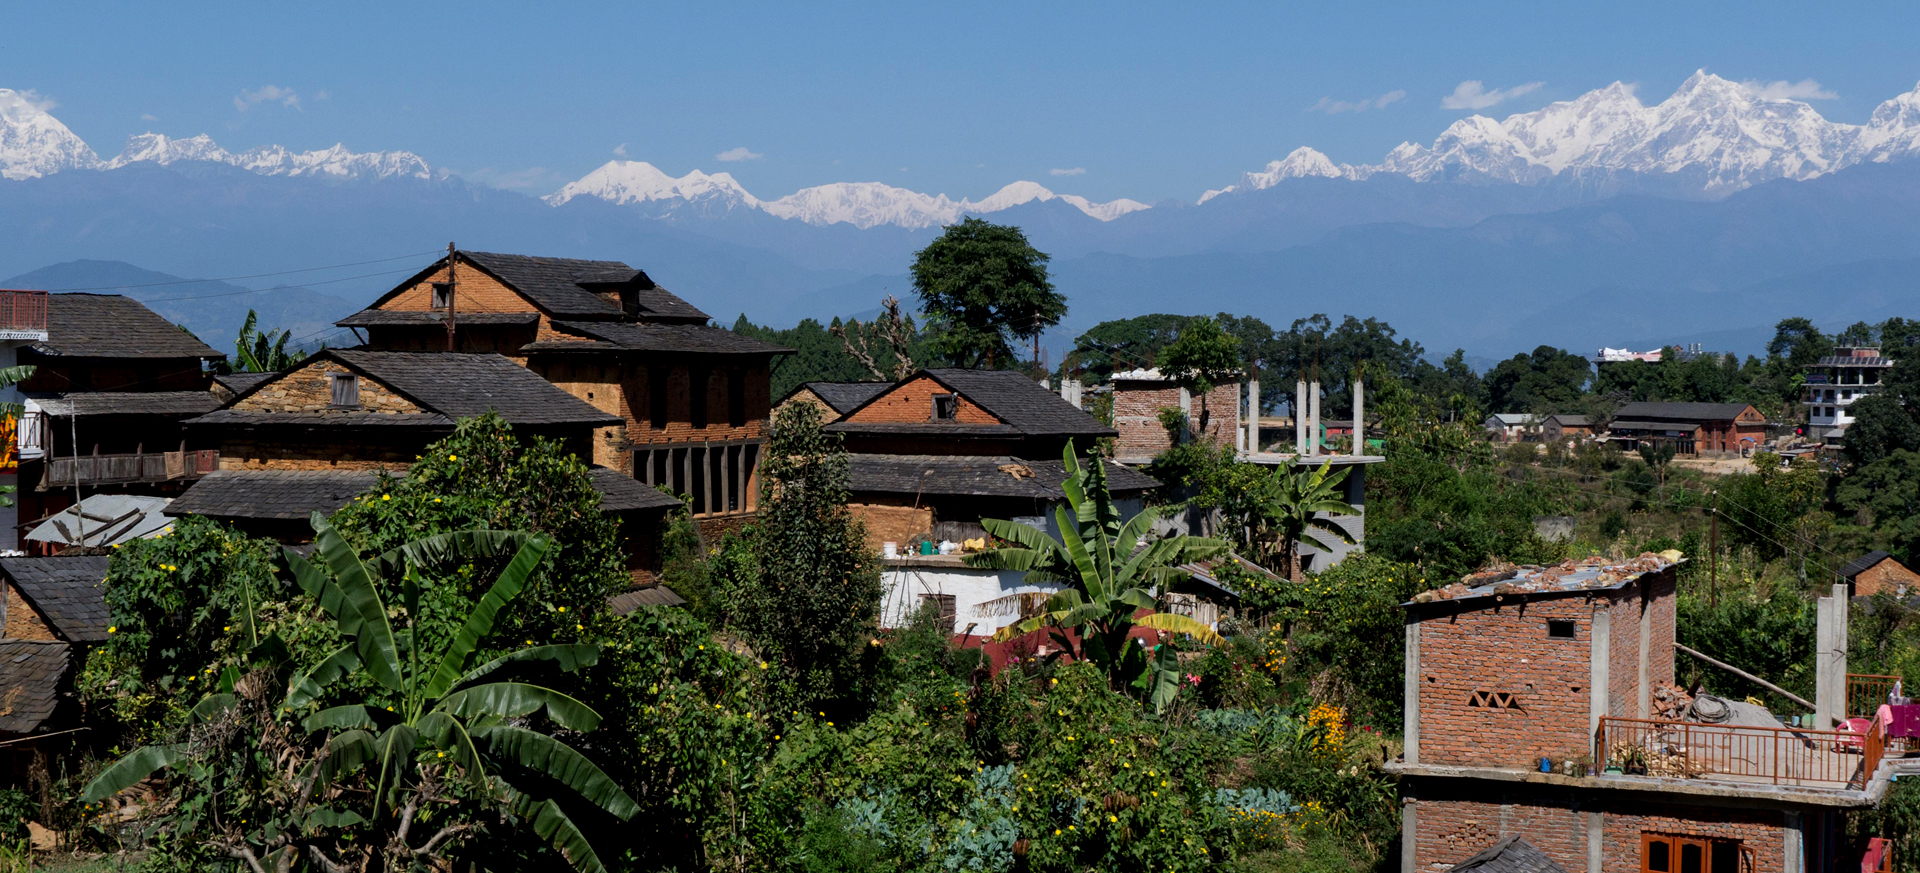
(1866, 692)
(23, 313)
(1739, 753)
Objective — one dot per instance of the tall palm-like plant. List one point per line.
(450, 726)
(1115, 570)
(257, 351)
(1291, 507)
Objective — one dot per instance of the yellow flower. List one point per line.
(112, 629)
(386, 497)
(190, 678)
(453, 458)
(1112, 819)
(763, 665)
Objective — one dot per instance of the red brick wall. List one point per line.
(1660, 652)
(1621, 827)
(1447, 832)
(1136, 414)
(1888, 575)
(1450, 830)
(913, 402)
(1505, 649)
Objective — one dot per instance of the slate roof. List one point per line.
(955, 429)
(620, 492)
(1664, 411)
(679, 338)
(1571, 420)
(657, 595)
(1864, 563)
(389, 317)
(90, 403)
(977, 476)
(844, 397)
(1511, 855)
(341, 420)
(66, 591)
(449, 385)
(554, 285)
(114, 326)
(34, 671)
(1020, 402)
(241, 383)
(280, 494)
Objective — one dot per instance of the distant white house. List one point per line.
(1512, 425)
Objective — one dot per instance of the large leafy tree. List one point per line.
(981, 286)
(1115, 571)
(431, 733)
(1548, 380)
(1204, 355)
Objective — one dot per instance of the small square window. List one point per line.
(1560, 629)
(442, 295)
(345, 389)
(945, 407)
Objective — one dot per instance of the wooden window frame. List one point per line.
(349, 398)
(441, 296)
(953, 410)
(1676, 843)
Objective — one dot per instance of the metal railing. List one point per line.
(1866, 692)
(23, 311)
(1739, 753)
(135, 467)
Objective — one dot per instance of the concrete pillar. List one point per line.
(1239, 433)
(1300, 418)
(1253, 415)
(1411, 705)
(1313, 418)
(1596, 842)
(1359, 417)
(1830, 660)
(1409, 846)
(1793, 844)
(1599, 666)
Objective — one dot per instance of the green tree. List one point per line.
(801, 581)
(1548, 380)
(1126, 344)
(427, 699)
(1115, 570)
(981, 286)
(1203, 355)
(261, 352)
(1291, 505)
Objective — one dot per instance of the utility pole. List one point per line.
(1713, 584)
(451, 260)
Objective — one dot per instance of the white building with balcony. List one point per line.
(1834, 383)
(23, 322)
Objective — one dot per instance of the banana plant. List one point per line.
(257, 351)
(449, 721)
(1113, 571)
(1291, 508)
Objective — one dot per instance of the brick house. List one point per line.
(1877, 571)
(1562, 425)
(1139, 396)
(835, 399)
(1694, 429)
(112, 383)
(310, 439)
(688, 402)
(1567, 664)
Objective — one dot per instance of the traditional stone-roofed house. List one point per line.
(1562, 425)
(1710, 429)
(690, 401)
(968, 412)
(835, 399)
(57, 598)
(1877, 571)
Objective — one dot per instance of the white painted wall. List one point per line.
(908, 579)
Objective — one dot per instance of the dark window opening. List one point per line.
(714, 478)
(697, 393)
(657, 397)
(1674, 853)
(442, 295)
(945, 407)
(345, 389)
(736, 397)
(630, 301)
(1560, 630)
(948, 606)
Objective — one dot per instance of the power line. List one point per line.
(253, 276)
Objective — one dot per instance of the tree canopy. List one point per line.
(982, 286)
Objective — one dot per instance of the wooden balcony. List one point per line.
(129, 468)
(1795, 757)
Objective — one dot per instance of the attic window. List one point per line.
(1560, 629)
(346, 390)
(945, 407)
(630, 301)
(442, 295)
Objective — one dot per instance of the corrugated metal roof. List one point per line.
(105, 520)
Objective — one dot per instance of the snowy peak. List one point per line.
(334, 163)
(161, 149)
(33, 143)
(1028, 192)
(1712, 136)
(641, 182)
(864, 205)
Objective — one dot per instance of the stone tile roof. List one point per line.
(277, 494)
(1021, 402)
(241, 383)
(1511, 855)
(1664, 411)
(66, 591)
(844, 397)
(114, 326)
(655, 595)
(90, 403)
(620, 492)
(341, 420)
(1864, 563)
(955, 429)
(680, 338)
(389, 317)
(31, 694)
(555, 285)
(978, 476)
(449, 385)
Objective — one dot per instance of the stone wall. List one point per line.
(248, 454)
(310, 390)
(23, 623)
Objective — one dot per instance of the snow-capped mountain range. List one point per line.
(1712, 137)
(1717, 134)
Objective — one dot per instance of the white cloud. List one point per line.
(1805, 89)
(148, 116)
(321, 95)
(1072, 171)
(739, 153)
(35, 100)
(1473, 94)
(620, 150)
(1334, 107)
(269, 94)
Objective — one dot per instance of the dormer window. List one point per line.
(345, 390)
(945, 407)
(442, 295)
(630, 301)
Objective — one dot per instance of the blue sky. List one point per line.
(1151, 101)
